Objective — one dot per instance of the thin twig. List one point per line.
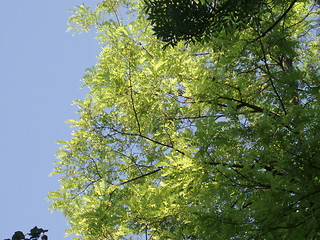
(141, 176)
(275, 23)
(150, 139)
(270, 77)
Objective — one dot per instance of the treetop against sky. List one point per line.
(210, 137)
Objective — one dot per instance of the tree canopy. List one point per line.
(35, 234)
(189, 20)
(200, 20)
(217, 139)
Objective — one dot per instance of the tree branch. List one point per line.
(245, 104)
(270, 77)
(185, 118)
(275, 23)
(141, 176)
(132, 101)
(150, 139)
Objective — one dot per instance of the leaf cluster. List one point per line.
(35, 234)
(191, 21)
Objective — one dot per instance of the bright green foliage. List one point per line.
(215, 140)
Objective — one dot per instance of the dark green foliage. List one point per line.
(35, 234)
(189, 20)
(18, 236)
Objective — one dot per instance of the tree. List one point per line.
(194, 20)
(200, 20)
(212, 140)
(35, 234)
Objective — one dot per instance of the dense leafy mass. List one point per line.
(191, 20)
(211, 140)
(35, 234)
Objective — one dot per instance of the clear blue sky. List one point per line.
(40, 70)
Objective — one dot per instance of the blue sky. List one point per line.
(41, 66)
